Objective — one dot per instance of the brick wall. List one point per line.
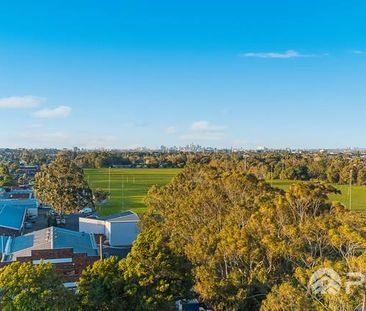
(9, 232)
(70, 272)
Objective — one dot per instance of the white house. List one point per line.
(120, 230)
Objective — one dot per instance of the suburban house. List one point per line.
(12, 219)
(119, 230)
(13, 214)
(21, 194)
(69, 251)
(30, 170)
(18, 193)
(30, 205)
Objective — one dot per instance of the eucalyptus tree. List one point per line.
(63, 186)
(25, 286)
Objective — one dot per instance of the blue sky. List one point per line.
(218, 73)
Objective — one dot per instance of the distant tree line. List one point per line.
(100, 159)
(28, 156)
(340, 168)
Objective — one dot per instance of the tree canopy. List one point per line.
(247, 242)
(27, 287)
(5, 177)
(101, 287)
(155, 276)
(62, 185)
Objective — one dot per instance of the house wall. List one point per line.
(69, 271)
(117, 233)
(108, 230)
(21, 196)
(123, 233)
(9, 232)
(90, 225)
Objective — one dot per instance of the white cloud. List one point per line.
(204, 130)
(205, 126)
(58, 112)
(283, 55)
(21, 101)
(357, 52)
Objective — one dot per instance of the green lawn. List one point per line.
(358, 194)
(128, 186)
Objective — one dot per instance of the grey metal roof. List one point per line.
(125, 216)
(51, 238)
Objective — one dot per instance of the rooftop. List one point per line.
(125, 216)
(51, 238)
(12, 216)
(21, 193)
(27, 203)
(3, 240)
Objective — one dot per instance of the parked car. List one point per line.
(86, 211)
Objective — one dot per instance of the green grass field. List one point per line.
(358, 194)
(128, 186)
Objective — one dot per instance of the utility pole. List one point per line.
(350, 188)
(109, 180)
(122, 194)
(271, 171)
(100, 247)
